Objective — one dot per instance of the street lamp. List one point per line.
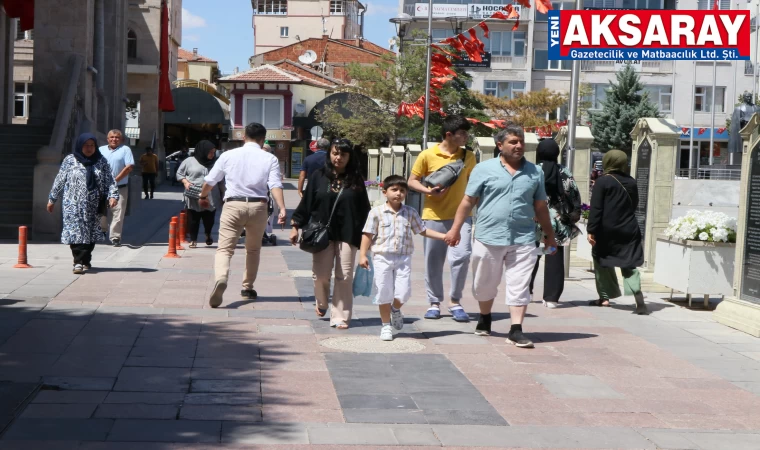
(401, 22)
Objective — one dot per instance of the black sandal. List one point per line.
(599, 302)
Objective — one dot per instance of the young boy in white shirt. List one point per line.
(388, 232)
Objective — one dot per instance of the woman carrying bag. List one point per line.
(332, 214)
(614, 232)
(191, 173)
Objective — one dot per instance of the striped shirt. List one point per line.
(393, 230)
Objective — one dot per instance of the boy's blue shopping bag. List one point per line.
(363, 280)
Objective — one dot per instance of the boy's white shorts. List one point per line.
(393, 278)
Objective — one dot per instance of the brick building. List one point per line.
(332, 55)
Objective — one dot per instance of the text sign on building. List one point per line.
(440, 10)
(480, 11)
(466, 63)
(649, 35)
(278, 135)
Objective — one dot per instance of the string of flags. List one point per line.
(442, 61)
(701, 131)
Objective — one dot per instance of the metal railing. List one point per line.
(709, 174)
(68, 114)
(216, 92)
(609, 66)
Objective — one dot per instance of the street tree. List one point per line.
(395, 79)
(528, 110)
(626, 102)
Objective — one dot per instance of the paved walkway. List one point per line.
(131, 356)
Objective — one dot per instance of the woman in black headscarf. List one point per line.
(86, 183)
(564, 201)
(190, 174)
(614, 232)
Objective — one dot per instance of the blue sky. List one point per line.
(224, 33)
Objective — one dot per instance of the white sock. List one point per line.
(394, 309)
(386, 324)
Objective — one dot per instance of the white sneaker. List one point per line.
(551, 305)
(397, 319)
(386, 333)
(78, 269)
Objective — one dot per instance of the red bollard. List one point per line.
(172, 239)
(22, 237)
(182, 227)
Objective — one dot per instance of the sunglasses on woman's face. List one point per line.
(342, 141)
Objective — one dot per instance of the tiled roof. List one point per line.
(313, 74)
(190, 56)
(268, 73)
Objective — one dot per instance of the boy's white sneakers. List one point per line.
(397, 319)
(386, 333)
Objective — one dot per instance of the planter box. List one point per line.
(583, 248)
(375, 195)
(695, 267)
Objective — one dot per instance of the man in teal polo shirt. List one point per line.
(120, 159)
(510, 193)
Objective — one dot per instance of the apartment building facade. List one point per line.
(278, 23)
(519, 63)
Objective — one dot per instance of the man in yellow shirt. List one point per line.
(149, 166)
(438, 215)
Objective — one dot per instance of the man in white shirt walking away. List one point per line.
(122, 161)
(249, 172)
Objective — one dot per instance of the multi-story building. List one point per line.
(277, 23)
(519, 63)
(143, 70)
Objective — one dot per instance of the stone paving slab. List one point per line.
(139, 356)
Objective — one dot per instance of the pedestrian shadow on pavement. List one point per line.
(121, 269)
(203, 369)
(241, 303)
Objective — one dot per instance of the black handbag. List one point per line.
(315, 236)
(194, 191)
(447, 175)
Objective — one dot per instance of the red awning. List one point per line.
(21, 9)
(165, 100)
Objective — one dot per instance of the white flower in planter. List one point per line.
(705, 226)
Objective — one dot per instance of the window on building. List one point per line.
(506, 43)
(703, 99)
(131, 44)
(541, 61)
(507, 89)
(709, 4)
(22, 96)
(337, 7)
(598, 94)
(661, 96)
(440, 34)
(266, 111)
(283, 31)
(540, 17)
(21, 35)
(272, 7)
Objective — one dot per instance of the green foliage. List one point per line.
(625, 104)
(391, 81)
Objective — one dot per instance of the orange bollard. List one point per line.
(182, 227)
(178, 230)
(172, 239)
(22, 237)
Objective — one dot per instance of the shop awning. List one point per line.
(196, 106)
(21, 9)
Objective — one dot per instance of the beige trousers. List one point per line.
(236, 217)
(116, 215)
(341, 256)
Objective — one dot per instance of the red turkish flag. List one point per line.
(484, 27)
(524, 3)
(445, 52)
(721, 130)
(685, 130)
(477, 42)
(516, 25)
(702, 130)
(499, 15)
(545, 5)
(716, 5)
(165, 99)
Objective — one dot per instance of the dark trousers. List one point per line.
(149, 180)
(195, 222)
(82, 253)
(554, 275)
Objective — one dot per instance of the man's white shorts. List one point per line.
(489, 262)
(393, 278)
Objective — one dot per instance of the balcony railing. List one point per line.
(704, 173)
(216, 92)
(509, 62)
(646, 66)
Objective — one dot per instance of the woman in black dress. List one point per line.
(339, 180)
(614, 232)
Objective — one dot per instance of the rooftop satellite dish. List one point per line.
(309, 57)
